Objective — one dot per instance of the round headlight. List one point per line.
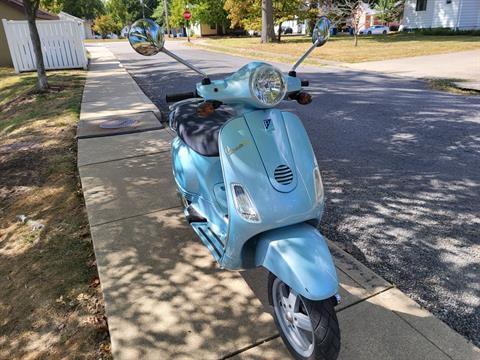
(267, 85)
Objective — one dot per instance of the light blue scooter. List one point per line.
(252, 190)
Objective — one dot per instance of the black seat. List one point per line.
(199, 133)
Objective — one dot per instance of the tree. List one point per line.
(284, 10)
(351, 11)
(210, 12)
(267, 21)
(389, 10)
(31, 9)
(54, 6)
(176, 19)
(249, 14)
(85, 9)
(105, 25)
(245, 13)
(126, 12)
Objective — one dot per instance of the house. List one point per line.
(367, 17)
(86, 25)
(206, 29)
(13, 10)
(455, 14)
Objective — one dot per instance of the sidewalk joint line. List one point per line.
(366, 298)
(128, 132)
(422, 334)
(134, 216)
(248, 347)
(124, 158)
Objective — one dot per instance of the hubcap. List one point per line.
(293, 318)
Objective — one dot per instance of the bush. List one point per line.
(445, 31)
(394, 28)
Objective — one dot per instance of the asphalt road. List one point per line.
(401, 169)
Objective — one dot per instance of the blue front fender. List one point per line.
(298, 255)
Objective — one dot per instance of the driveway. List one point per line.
(401, 168)
(460, 65)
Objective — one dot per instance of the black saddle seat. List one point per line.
(199, 133)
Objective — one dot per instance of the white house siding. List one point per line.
(469, 14)
(441, 14)
(445, 15)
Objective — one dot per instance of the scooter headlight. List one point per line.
(268, 85)
(317, 178)
(244, 204)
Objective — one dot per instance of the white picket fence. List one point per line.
(62, 44)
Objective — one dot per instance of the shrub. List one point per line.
(445, 31)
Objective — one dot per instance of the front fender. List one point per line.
(298, 255)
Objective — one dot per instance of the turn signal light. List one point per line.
(304, 98)
(205, 109)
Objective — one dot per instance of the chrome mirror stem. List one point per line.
(184, 62)
(304, 56)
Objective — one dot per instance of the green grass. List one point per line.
(450, 85)
(341, 48)
(45, 272)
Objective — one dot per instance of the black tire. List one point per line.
(326, 345)
(369, 33)
(384, 32)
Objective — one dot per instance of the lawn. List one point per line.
(51, 305)
(341, 49)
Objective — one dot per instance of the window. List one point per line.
(213, 26)
(421, 5)
(449, 1)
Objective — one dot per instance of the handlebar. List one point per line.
(181, 96)
(305, 83)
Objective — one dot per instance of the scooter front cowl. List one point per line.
(258, 158)
(298, 255)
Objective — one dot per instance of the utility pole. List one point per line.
(143, 8)
(167, 25)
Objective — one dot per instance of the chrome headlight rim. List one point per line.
(253, 82)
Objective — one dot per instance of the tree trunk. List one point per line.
(31, 8)
(268, 35)
(355, 39)
(279, 38)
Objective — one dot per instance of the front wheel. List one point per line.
(308, 328)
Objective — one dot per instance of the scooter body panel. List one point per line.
(199, 179)
(249, 160)
(299, 256)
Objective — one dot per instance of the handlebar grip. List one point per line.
(305, 83)
(181, 96)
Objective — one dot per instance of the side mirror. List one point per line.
(321, 32)
(146, 37)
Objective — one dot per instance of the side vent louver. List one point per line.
(283, 175)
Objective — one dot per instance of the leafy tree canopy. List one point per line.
(126, 12)
(203, 11)
(85, 9)
(248, 14)
(105, 25)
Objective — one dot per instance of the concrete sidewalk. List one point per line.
(166, 298)
(463, 65)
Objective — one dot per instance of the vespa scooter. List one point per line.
(251, 188)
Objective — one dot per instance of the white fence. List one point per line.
(62, 44)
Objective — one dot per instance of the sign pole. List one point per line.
(187, 15)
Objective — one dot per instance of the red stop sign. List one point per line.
(187, 14)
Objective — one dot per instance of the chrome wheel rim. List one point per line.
(293, 318)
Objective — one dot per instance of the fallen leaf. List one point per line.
(94, 282)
